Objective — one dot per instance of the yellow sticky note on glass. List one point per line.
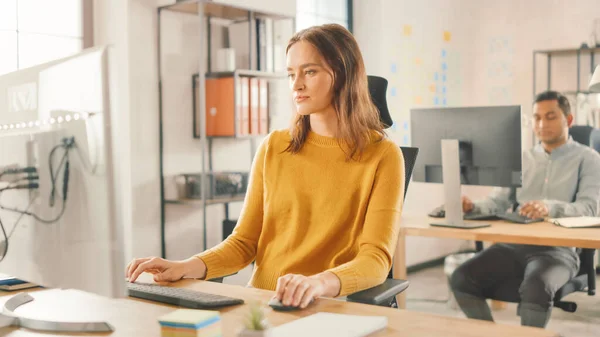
(407, 30)
(447, 36)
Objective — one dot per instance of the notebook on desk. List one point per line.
(325, 324)
(577, 222)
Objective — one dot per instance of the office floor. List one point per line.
(428, 292)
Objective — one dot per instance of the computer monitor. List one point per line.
(55, 125)
(468, 145)
(489, 143)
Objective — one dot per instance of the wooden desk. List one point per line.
(133, 317)
(541, 233)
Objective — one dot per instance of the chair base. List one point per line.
(566, 306)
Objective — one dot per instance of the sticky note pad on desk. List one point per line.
(191, 323)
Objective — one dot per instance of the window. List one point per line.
(318, 12)
(38, 31)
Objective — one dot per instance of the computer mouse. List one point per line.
(438, 212)
(278, 306)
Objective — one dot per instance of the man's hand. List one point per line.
(467, 205)
(534, 209)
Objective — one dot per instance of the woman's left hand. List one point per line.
(299, 290)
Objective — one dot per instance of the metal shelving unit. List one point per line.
(578, 53)
(564, 52)
(208, 11)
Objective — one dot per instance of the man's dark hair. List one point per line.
(563, 102)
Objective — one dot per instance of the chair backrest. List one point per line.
(410, 157)
(595, 139)
(581, 134)
(377, 89)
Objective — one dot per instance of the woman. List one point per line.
(321, 216)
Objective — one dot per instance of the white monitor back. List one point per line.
(40, 106)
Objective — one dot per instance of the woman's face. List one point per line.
(310, 79)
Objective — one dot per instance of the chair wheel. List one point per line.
(566, 306)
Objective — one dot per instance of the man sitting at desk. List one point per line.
(561, 178)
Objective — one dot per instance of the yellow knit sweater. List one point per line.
(314, 211)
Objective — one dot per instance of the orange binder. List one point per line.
(220, 113)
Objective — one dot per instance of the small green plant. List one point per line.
(256, 320)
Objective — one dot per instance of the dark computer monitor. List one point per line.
(489, 138)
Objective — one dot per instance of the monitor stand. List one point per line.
(9, 318)
(452, 193)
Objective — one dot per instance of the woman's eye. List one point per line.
(310, 72)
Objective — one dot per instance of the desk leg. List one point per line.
(399, 268)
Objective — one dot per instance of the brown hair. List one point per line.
(357, 116)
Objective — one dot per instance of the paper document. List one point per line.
(577, 222)
(328, 324)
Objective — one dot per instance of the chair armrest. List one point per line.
(378, 295)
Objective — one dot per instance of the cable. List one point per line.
(35, 216)
(67, 144)
(53, 176)
(20, 217)
(29, 177)
(5, 241)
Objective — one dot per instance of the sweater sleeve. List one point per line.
(239, 249)
(378, 239)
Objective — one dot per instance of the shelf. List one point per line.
(188, 201)
(579, 92)
(222, 11)
(246, 73)
(568, 51)
(245, 137)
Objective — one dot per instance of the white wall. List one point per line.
(488, 61)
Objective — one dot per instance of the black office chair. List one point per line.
(595, 144)
(586, 278)
(595, 139)
(385, 294)
(581, 133)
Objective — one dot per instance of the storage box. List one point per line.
(221, 184)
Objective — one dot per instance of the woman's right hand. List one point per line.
(165, 270)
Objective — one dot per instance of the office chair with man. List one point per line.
(586, 276)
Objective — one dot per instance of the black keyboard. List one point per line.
(181, 297)
(478, 216)
(517, 218)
